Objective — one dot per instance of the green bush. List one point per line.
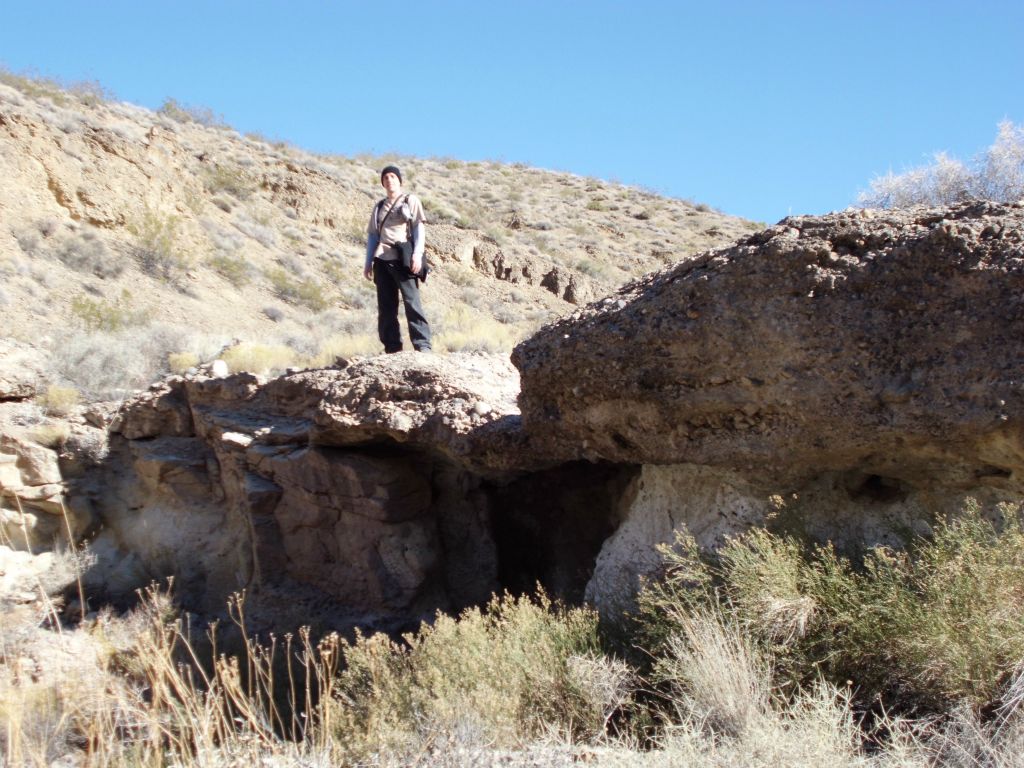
(102, 315)
(514, 671)
(939, 623)
(228, 179)
(235, 269)
(307, 292)
(156, 246)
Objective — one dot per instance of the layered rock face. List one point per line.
(871, 361)
(283, 489)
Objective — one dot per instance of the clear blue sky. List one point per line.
(758, 108)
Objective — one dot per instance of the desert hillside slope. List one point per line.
(128, 236)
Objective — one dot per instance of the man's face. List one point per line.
(391, 182)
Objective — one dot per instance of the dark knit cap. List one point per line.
(390, 169)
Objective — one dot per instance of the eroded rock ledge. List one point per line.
(340, 496)
(882, 340)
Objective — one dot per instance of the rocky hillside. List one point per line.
(134, 241)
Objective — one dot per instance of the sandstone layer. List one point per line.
(329, 495)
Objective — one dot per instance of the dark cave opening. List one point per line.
(549, 526)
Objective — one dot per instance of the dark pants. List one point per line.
(391, 278)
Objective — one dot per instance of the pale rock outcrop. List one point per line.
(852, 510)
(21, 370)
(35, 509)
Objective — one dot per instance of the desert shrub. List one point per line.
(228, 179)
(505, 314)
(34, 86)
(223, 203)
(58, 400)
(500, 676)
(938, 623)
(337, 271)
(259, 358)
(104, 315)
(996, 174)
(235, 269)
(305, 292)
(86, 252)
(28, 240)
(354, 227)
(460, 274)
(180, 362)
(156, 245)
(257, 230)
(184, 113)
(108, 364)
(472, 297)
(591, 268)
(275, 314)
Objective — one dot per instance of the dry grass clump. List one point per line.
(138, 694)
(181, 362)
(260, 358)
(726, 710)
(463, 329)
(58, 400)
(995, 174)
(53, 435)
(345, 346)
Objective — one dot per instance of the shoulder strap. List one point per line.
(380, 221)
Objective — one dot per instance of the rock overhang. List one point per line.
(820, 344)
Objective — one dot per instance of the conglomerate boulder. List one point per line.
(889, 341)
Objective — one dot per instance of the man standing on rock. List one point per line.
(397, 222)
